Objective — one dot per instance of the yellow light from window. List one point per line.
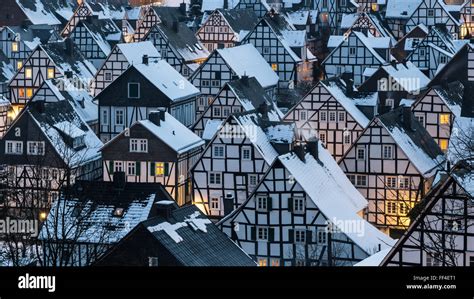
(444, 118)
(274, 66)
(160, 168)
(51, 73)
(15, 47)
(375, 7)
(28, 73)
(19, 64)
(14, 111)
(21, 93)
(443, 144)
(43, 216)
(262, 262)
(29, 93)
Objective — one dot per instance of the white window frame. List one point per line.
(216, 150)
(261, 203)
(391, 182)
(303, 115)
(358, 179)
(332, 116)
(34, 146)
(358, 150)
(261, 233)
(388, 151)
(131, 168)
(128, 90)
(300, 236)
(245, 149)
(253, 177)
(16, 147)
(322, 236)
(215, 203)
(299, 205)
(323, 116)
(105, 76)
(138, 145)
(215, 178)
(122, 111)
(343, 118)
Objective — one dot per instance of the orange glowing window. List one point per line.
(21, 93)
(19, 64)
(29, 93)
(444, 119)
(51, 73)
(443, 144)
(274, 66)
(262, 262)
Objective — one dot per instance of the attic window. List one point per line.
(133, 90)
(118, 212)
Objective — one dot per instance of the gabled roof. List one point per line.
(33, 35)
(254, 65)
(447, 41)
(415, 142)
(134, 52)
(194, 240)
(401, 9)
(167, 79)
(183, 40)
(210, 5)
(335, 196)
(6, 68)
(69, 61)
(105, 32)
(62, 119)
(242, 21)
(452, 95)
(409, 42)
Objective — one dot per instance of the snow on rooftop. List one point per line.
(294, 38)
(168, 80)
(134, 52)
(298, 17)
(171, 230)
(37, 13)
(174, 134)
(375, 259)
(335, 40)
(69, 129)
(332, 192)
(401, 9)
(211, 128)
(348, 20)
(408, 76)
(372, 43)
(246, 60)
(210, 5)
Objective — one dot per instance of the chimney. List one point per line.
(165, 208)
(39, 106)
(298, 149)
(162, 113)
(313, 148)
(348, 79)
(175, 26)
(69, 46)
(245, 80)
(155, 117)
(407, 117)
(182, 8)
(119, 180)
(68, 74)
(228, 204)
(145, 59)
(263, 110)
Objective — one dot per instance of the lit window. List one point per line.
(276, 262)
(262, 262)
(19, 64)
(391, 208)
(444, 118)
(15, 47)
(215, 203)
(274, 66)
(160, 169)
(51, 72)
(298, 205)
(443, 144)
(28, 73)
(29, 93)
(403, 183)
(404, 209)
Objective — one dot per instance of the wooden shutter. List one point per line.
(137, 168)
(269, 203)
(271, 234)
(291, 235)
(290, 204)
(166, 166)
(152, 168)
(309, 236)
(253, 233)
(111, 167)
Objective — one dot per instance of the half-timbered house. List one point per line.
(436, 50)
(367, 23)
(332, 112)
(437, 110)
(142, 88)
(297, 214)
(224, 65)
(236, 158)
(284, 48)
(407, 44)
(178, 45)
(17, 42)
(260, 7)
(441, 232)
(332, 11)
(4, 121)
(159, 149)
(467, 20)
(358, 54)
(119, 60)
(392, 164)
(53, 60)
(95, 38)
(7, 72)
(236, 96)
(397, 14)
(47, 147)
(226, 28)
(152, 15)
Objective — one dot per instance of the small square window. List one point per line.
(262, 201)
(262, 233)
(300, 236)
(298, 205)
(444, 118)
(215, 203)
(246, 153)
(360, 153)
(108, 76)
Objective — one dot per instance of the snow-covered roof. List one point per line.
(337, 89)
(416, 142)
(210, 5)
(375, 259)
(105, 32)
(334, 195)
(168, 80)
(176, 135)
(401, 9)
(348, 20)
(464, 176)
(6, 68)
(452, 96)
(211, 127)
(408, 76)
(241, 21)
(63, 119)
(335, 40)
(372, 43)
(33, 35)
(254, 65)
(37, 12)
(134, 52)
(299, 18)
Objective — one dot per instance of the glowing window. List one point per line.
(15, 47)
(19, 64)
(51, 73)
(274, 66)
(28, 73)
(160, 168)
(444, 118)
(443, 144)
(29, 93)
(21, 93)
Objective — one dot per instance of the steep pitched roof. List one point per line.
(134, 52)
(33, 35)
(242, 21)
(105, 32)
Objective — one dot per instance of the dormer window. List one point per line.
(78, 142)
(133, 90)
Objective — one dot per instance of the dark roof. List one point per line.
(240, 19)
(198, 248)
(456, 68)
(29, 33)
(6, 69)
(398, 51)
(452, 93)
(248, 89)
(103, 27)
(169, 14)
(63, 57)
